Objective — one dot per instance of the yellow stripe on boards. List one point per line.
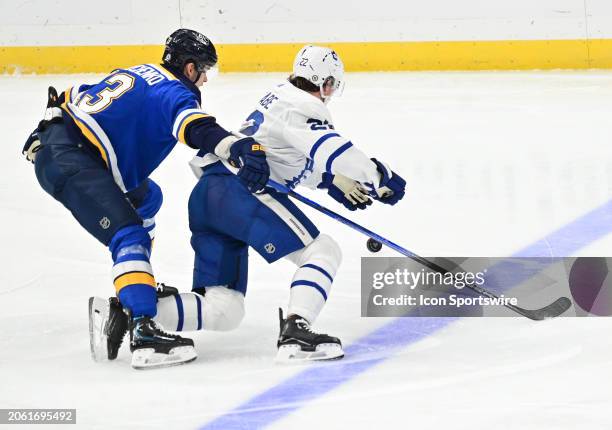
(600, 53)
(75, 59)
(357, 56)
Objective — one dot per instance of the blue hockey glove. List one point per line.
(249, 157)
(346, 191)
(392, 186)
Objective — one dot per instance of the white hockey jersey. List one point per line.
(300, 141)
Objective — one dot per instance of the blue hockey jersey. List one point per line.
(134, 117)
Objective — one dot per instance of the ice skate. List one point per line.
(153, 348)
(297, 342)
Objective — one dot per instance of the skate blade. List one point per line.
(295, 354)
(98, 316)
(147, 358)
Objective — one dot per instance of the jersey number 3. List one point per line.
(117, 85)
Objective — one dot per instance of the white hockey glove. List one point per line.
(346, 191)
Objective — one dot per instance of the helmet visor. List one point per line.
(333, 87)
(203, 67)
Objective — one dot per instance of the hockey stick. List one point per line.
(552, 310)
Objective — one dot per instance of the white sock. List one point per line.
(220, 309)
(310, 287)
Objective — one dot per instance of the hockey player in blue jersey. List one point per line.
(94, 151)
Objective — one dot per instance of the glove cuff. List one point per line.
(327, 180)
(223, 148)
(384, 170)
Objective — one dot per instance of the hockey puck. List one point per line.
(374, 245)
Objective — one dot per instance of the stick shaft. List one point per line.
(427, 263)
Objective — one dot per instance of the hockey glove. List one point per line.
(53, 114)
(31, 146)
(392, 186)
(346, 191)
(249, 157)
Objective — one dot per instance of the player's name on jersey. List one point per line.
(148, 73)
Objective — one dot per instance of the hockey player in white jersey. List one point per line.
(295, 127)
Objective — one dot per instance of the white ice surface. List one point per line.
(493, 162)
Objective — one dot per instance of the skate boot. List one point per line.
(152, 348)
(297, 342)
(116, 327)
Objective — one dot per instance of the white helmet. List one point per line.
(319, 66)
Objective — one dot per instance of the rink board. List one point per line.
(357, 56)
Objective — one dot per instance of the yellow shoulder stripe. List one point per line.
(87, 133)
(67, 95)
(186, 122)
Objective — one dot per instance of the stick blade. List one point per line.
(553, 310)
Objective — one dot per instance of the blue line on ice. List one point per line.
(373, 348)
